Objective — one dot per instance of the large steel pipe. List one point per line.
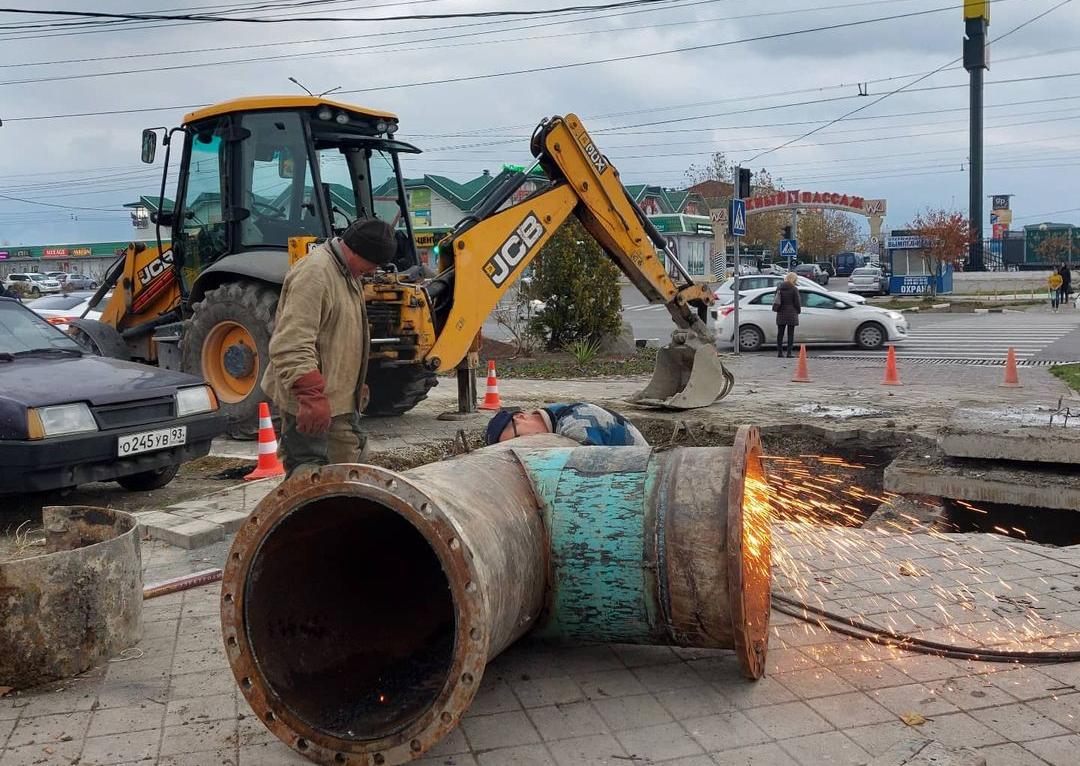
(360, 606)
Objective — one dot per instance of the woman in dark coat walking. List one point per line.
(787, 306)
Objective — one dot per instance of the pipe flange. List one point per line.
(748, 552)
(471, 639)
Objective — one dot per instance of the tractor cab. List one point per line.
(257, 172)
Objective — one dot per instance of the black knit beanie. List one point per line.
(371, 239)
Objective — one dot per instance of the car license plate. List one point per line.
(149, 441)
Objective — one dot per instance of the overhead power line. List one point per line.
(916, 81)
(379, 48)
(366, 19)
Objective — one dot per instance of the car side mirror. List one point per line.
(149, 146)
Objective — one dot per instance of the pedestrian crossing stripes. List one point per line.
(980, 337)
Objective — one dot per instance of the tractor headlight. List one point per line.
(194, 400)
(60, 420)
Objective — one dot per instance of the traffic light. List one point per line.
(744, 183)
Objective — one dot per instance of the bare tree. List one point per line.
(825, 233)
(947, 235)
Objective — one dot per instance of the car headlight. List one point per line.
(896, 316)
(60, 420)
(194, 400)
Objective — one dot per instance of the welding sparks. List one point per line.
(907, 578)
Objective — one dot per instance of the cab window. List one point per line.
(274, 181)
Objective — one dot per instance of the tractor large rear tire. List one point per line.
(228, 344)
(394, 391)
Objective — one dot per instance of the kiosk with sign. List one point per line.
(908, 267)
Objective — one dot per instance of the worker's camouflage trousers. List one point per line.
(343, 443)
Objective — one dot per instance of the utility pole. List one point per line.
(976, 62)
(737, 229)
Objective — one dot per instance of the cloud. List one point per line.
(725, 81)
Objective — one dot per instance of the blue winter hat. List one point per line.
(498, 424)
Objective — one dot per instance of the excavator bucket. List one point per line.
(688, 375)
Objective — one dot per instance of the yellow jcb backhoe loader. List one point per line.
(263, 178)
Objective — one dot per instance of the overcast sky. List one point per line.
(740, 99)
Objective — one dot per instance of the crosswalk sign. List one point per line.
(738, 218)
(789, 248)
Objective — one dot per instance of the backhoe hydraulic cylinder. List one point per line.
(360, 606)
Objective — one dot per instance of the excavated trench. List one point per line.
(856, 458)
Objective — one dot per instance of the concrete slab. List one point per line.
(1034, 486)
(196, 533)
(1037, 434)
(907, 513)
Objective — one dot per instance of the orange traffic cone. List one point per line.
(892, 376)
(1012, 375)
(802, 372)
(269, 465)
(491, 395)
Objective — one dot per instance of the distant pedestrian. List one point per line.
(1066, 283)
(787, 306)
(1055, 283)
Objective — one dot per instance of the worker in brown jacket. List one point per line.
(317, 352)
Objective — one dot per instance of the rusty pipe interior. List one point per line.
(360, 606)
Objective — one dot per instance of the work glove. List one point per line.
(313, 417)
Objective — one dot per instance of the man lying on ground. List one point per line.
(585, 423)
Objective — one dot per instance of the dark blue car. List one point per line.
(68, 417)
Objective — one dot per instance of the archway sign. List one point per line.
(873, 209)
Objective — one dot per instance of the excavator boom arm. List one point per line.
(490, 250)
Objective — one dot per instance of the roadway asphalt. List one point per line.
(1037, 334)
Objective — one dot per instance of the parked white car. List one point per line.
(825, 319)
(59, 310)
(725, 293)
(33, 284)
(868, 279)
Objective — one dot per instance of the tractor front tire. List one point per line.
(228, 344)
(396, 390)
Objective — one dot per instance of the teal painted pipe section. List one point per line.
(596, 509)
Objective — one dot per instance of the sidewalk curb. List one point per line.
(205, 520)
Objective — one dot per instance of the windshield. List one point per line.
(21, 330)
(60, 302)
(275, 176)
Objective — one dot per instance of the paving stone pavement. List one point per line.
(826, 699)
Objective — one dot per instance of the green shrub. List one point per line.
(584, 351)
(579, 286)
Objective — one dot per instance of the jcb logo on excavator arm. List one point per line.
(513, 251)
(155, 268)
(598, 160)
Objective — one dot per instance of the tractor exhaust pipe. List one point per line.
(360, 606)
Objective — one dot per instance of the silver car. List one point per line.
(868, 280)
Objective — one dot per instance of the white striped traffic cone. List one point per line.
(491, 394)
(269, 465)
